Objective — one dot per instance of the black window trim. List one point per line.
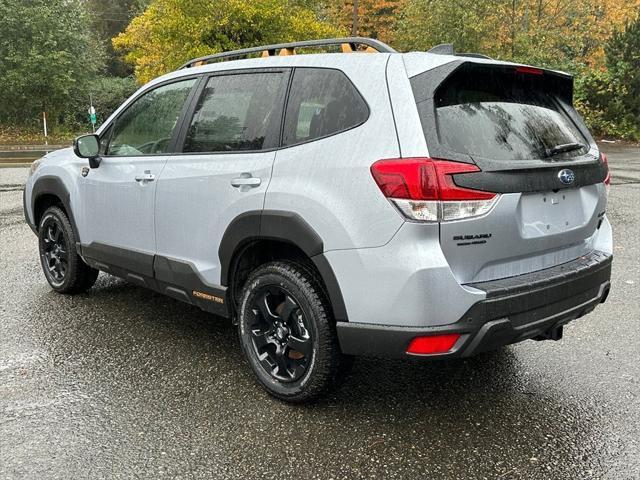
(282, 146)
(107, 128)
(176, 144)
(185, 121)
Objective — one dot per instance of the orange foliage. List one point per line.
(377, 18)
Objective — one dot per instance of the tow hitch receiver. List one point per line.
(554, 333)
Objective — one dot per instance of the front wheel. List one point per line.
(63, 268)
(287, 332)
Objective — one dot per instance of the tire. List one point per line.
(288, 334)
(63, 268)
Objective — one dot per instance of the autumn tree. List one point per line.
(468, 24)
(557, 33)
(108, 19)
(376, 18)
(48, 56)
(170, 32)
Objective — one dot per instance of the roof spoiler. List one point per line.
(447, 49)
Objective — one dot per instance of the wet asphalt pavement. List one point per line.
(124, 383)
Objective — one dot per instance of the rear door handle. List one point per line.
(147, 176)
(246, 180)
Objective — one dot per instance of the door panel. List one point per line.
(118, 209)
(196, 201)
(224, 169)
(118, 197)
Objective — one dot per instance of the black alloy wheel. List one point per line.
(288, 333)
(55, 250)
(279, 335)
(63, 268)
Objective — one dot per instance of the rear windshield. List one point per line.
(504, 115)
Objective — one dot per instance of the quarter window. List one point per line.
(237, 112)
(322, 102)
(146, 126)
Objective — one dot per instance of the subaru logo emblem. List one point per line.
(566, 176)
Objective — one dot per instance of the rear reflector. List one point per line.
(433, 344)
(423, 189)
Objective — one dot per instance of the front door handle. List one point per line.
(147, 176)
(246, 180)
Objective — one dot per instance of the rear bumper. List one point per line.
(534, 305)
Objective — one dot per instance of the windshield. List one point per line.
(504, 115)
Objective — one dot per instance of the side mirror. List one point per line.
(88, 146)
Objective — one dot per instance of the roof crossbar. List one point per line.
(347, 44)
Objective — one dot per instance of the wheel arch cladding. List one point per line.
(287, 227)
(50, 186)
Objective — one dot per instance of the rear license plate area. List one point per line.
(549, 213)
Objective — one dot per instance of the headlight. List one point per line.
(34, 166)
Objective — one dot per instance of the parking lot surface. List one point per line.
(124, 383)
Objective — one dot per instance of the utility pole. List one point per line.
(354, 30)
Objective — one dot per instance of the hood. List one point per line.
(58, 155)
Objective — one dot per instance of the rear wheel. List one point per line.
(63, 268)
(287, 332)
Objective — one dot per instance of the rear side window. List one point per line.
(321, 102)
(236, 112)
(502, 114)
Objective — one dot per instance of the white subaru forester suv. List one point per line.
(419, 205)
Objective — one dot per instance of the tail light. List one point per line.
(529, 70)
(423, 189)
(607, 179)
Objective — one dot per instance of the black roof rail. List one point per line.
(447, 49)
(348, 44)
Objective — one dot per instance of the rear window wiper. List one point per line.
(564, 148)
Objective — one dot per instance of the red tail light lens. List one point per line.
(410, 178)
(423, 189)
(607, 178)
(433, 344)
(424, 179)
(529, 70)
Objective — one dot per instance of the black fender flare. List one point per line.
(284, 226)
(50, 185)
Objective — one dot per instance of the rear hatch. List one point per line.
(518, 125)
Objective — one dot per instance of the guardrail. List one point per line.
(23, 155)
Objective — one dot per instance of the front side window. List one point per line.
(104, 140)
(146, 126)
(322, 102)
(236, 113)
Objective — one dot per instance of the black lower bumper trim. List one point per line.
(532, 306)
(26, 214)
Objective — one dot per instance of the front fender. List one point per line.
(52, 185)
